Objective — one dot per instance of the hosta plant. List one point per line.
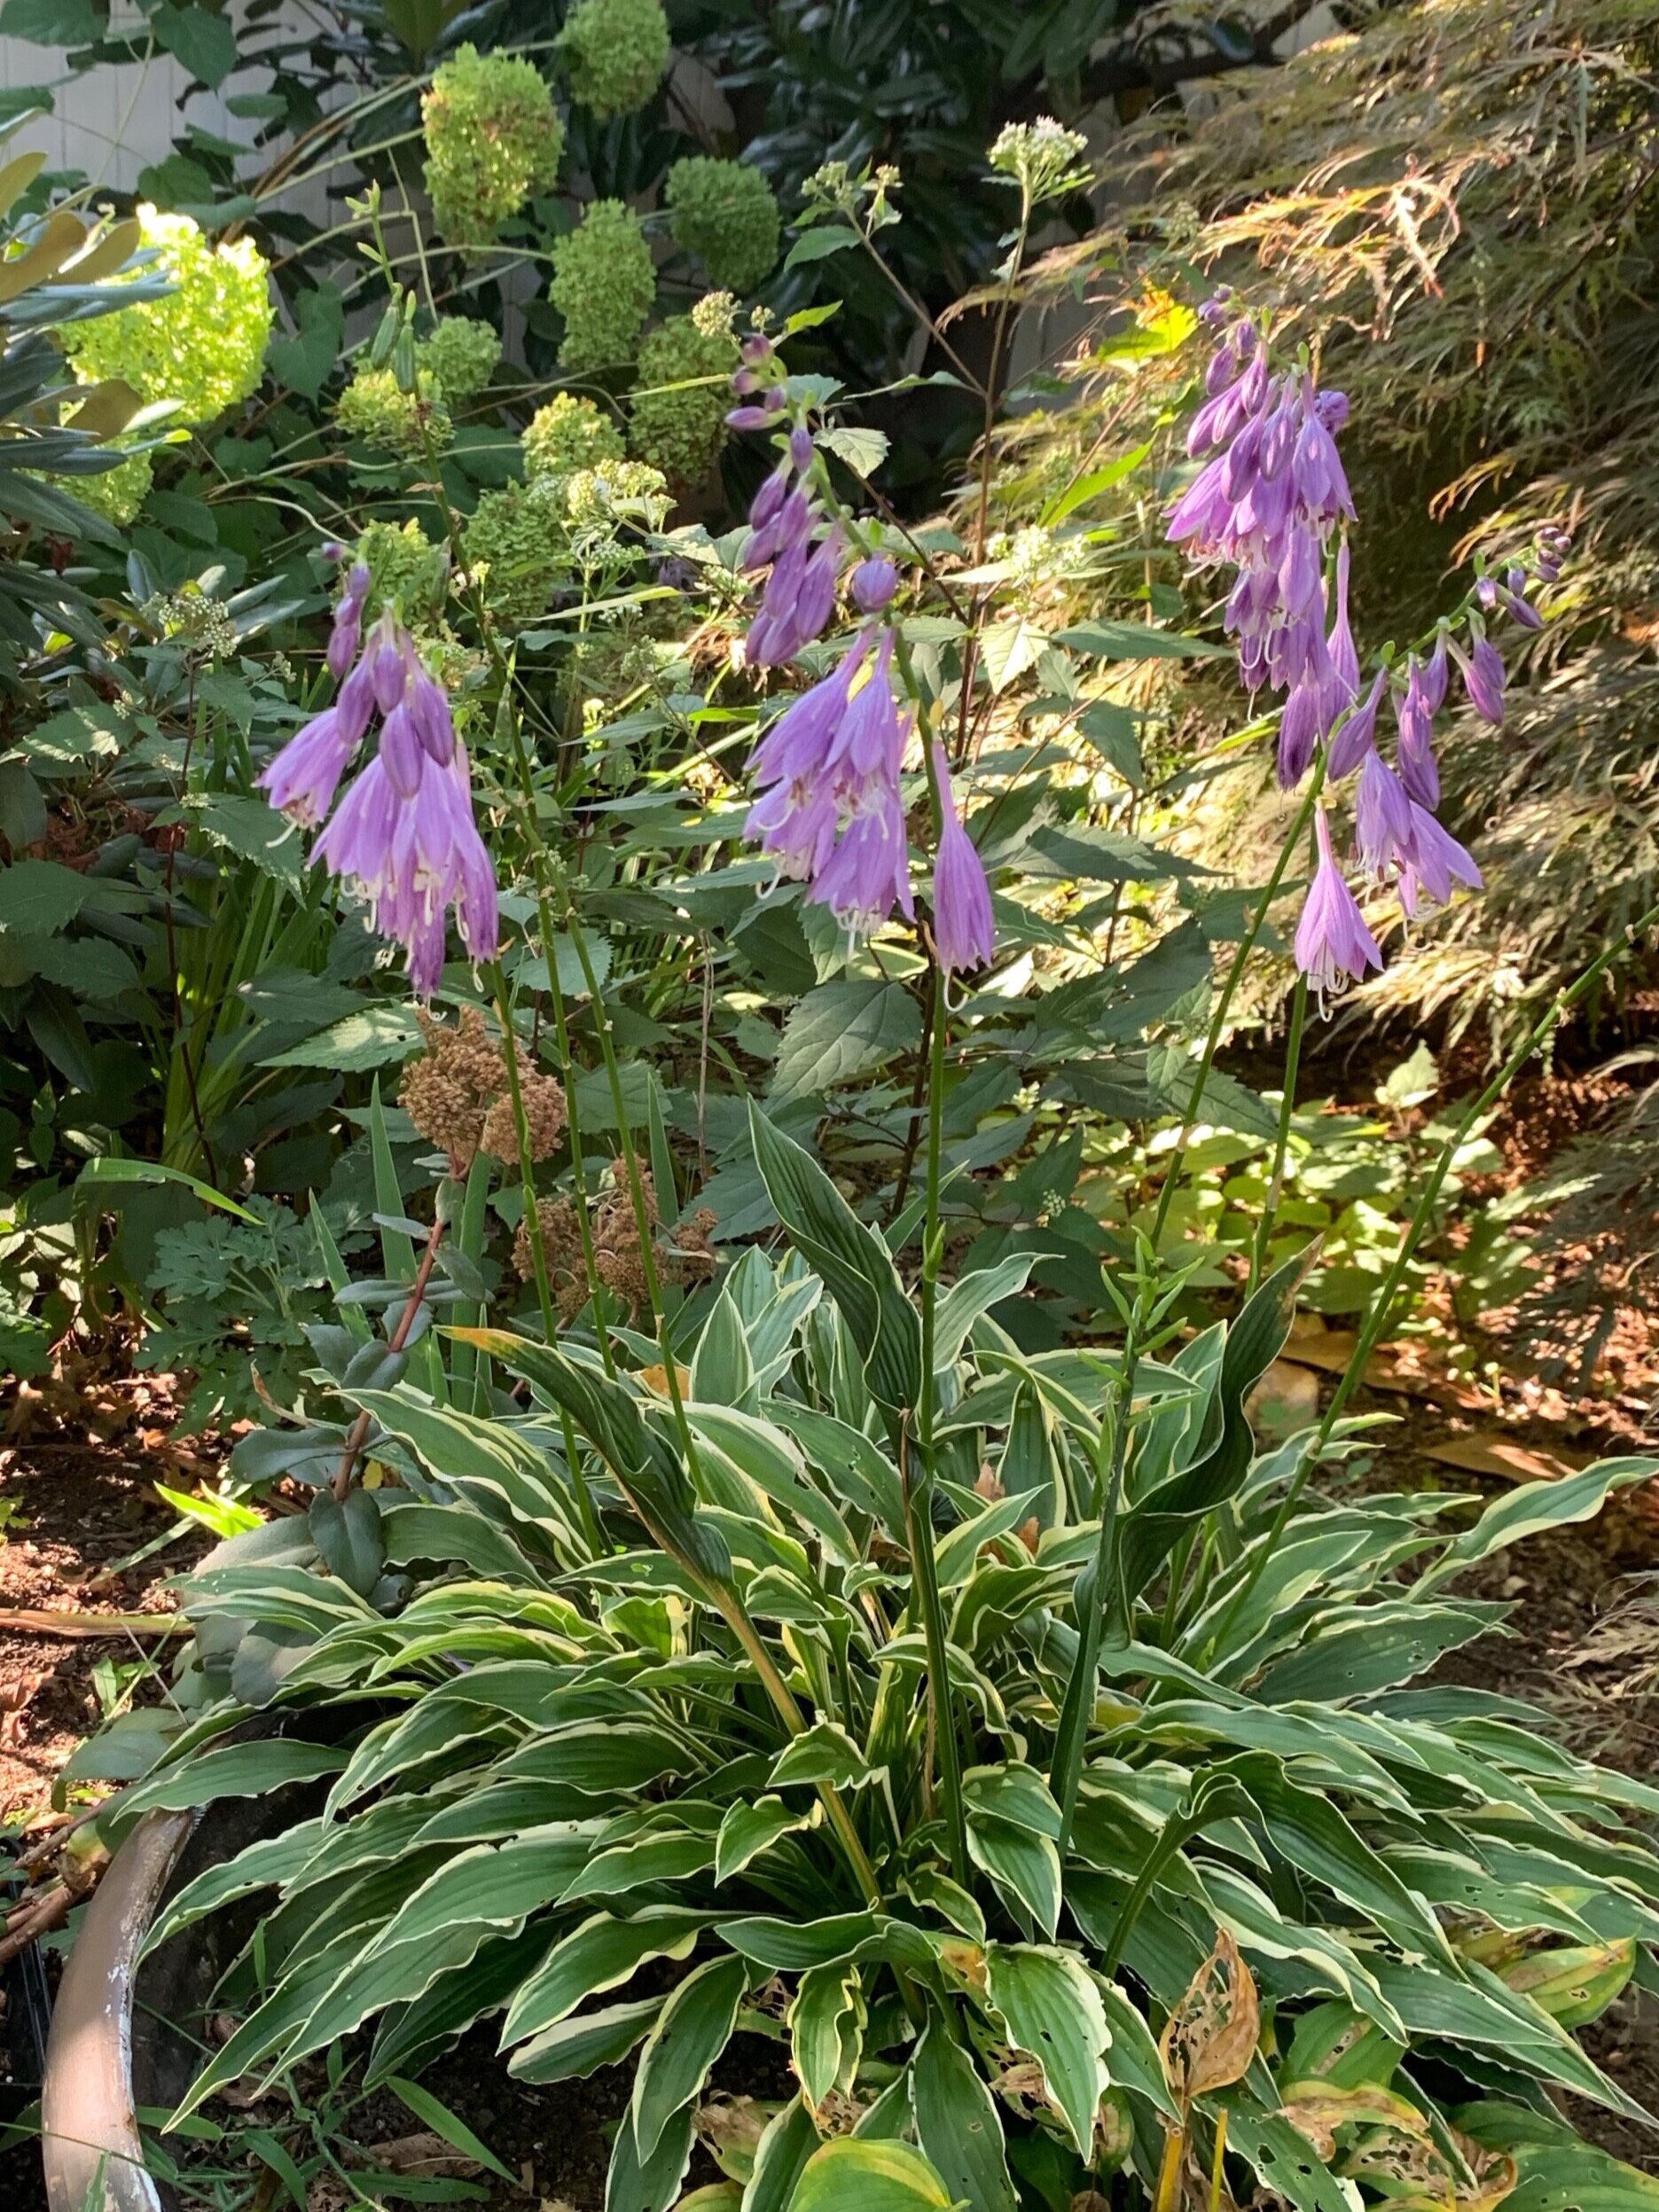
(1045, 1769)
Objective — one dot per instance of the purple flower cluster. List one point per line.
(1269, 500)
(403, 833)
(829, 806)
(789, 537)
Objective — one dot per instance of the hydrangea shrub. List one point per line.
(493, 138)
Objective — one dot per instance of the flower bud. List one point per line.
(873, 584)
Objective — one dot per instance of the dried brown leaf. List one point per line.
(1209, 2039)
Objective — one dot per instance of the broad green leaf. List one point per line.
(840, 1031)
(250, 1769)
(790, 2139)
(823, 1753)
(1023, 1867)
(826, 2023)
(637, 2184)
(206, 44)
(851, 1258)
(601, 1954)
(749, 1829)
(1531, 1509)
(379, 1037)
(248, 828)
(693, 2029)
(1008, 648)
(875, 2177)
(1051, 2008)
(1136, 641)
(1315, 1836)
(667, 1856)
(572, 2048)
(958, 2122)
(38, 897)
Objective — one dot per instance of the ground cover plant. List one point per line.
(688, 1154)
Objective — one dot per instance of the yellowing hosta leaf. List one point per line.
(1575, 1984)
(1321, 2110)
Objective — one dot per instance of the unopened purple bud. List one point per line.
(334, 550)
(1516, 579)
(802, 452)
(769, 498)
(1486, 594)
(428, 710)
(744, 382)
(1357, 734)
(355, 707)
(757, 348)
(749, 419)
(402, 752)
(873, 584)
(357, 580)
(1483, 678)
(386, 665)
(775, 398)
(1434, 680)
(1523, 611)
(342, 638)
(964, 930)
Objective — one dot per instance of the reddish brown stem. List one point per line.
(358, 1435)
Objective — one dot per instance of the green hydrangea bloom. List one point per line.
(724, 213)
(461, 355)
(118, 493)
(373, 407)
(603, 282)
(402, 563)
(617, 53)
(595, 498)
(204, 344)
(515, 551)
(681, 432)
(493, 138)
(566, 434)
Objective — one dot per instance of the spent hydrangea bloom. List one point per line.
(1333, 948)
(964, 932)
(404, 835)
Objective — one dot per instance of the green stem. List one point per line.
(918, 1496)
(1281, 1141)
(1218, 1020)
(1381, 1309)
(1071, 1737)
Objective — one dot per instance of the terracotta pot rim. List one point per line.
(90, 2143)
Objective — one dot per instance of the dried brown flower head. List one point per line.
(447, 1091)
